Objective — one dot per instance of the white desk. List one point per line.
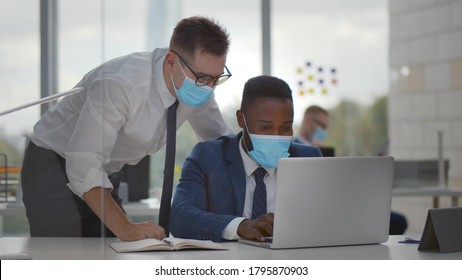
(433, 191)
(98, 248)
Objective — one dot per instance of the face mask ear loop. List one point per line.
(248, 133)
(173, 82)
(171, 74)
(181, 67)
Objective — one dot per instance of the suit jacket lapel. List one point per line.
(292, 151)
(236, 172)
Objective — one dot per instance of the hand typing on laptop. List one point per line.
(258, 229)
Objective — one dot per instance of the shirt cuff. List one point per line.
(94, 178)
(230, 231)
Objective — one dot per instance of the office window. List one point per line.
(19, 84)
(19, 73)
(92, 32)
(335, 54)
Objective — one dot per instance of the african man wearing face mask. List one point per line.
(215, 198)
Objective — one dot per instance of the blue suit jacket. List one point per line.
(211, 192)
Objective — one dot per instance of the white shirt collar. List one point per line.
(303, 140)
(159, 81)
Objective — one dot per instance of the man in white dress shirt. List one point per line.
(75, 154)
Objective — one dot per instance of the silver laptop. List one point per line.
(331, 202)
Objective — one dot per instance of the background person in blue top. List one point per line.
(72, 164)
(215, 197)
(314, 127)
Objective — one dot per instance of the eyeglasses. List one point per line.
(319, 123)
(206, 80)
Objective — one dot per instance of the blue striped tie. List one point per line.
(259, 196)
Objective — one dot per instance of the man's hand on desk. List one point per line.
(116, 220)
(257, 229)
(137, 231)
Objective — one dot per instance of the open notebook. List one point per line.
(167, 244)
(331, 201)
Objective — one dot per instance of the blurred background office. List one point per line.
(389, 73)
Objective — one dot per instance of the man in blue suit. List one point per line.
(215, 197)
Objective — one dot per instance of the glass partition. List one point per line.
(386, 71)
(20, 84)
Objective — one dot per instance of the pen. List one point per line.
(409, 242)
(168, 242)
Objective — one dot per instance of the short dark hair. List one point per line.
(264, 86)
(201, 33)
(314, 110)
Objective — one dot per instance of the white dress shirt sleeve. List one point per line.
(105, 111)
(230, 231)
(208, 122)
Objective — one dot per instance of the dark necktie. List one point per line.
(167, 187)
(259, 196)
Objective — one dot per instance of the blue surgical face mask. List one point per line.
(268, 149)
(190, 93)
(319, 133)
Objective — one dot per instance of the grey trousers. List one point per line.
(52, 209)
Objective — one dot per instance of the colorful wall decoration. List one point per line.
(316, 79)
